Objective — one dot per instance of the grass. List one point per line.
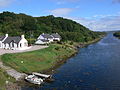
(39, 60)
(3, 78)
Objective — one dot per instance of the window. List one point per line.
(20, 44)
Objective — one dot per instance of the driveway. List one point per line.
(32, 48)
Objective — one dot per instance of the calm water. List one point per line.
(96, 67)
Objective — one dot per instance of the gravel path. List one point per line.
(13, 73)
(32, 48)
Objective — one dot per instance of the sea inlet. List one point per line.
(95, 67)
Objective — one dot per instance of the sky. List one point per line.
(97, 15)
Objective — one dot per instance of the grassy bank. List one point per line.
(4, 78)
(38, 60)
(117, 34)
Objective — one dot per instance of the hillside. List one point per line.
(17, 24)
(117, 34)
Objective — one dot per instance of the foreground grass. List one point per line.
(3, 78)
(38, 60)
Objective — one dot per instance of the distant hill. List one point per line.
(117, 34)
(17, 24)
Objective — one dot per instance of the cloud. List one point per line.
(61, 11)
(64, 1)
(109, 23)
(4, 3)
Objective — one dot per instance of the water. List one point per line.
(96, 67)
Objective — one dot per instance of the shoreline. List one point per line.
(64, 60)
(60, 62)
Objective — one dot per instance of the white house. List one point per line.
(2, 39)
(56, 37)
(14, 43)
(47, 38)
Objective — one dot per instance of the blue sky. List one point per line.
(98, 15)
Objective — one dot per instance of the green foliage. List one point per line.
(16, 24)
(117, 34)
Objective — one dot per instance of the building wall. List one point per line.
(57, 39)
(0, 44)
(41, 42)
(50, 39)
(6, 46)
(23, 43)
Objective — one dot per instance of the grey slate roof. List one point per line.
(56, 35)
(1, 38)
(47, 36)
(44, 40)
(12, 39)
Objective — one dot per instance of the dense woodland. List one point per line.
(17, 24)
(117, 34)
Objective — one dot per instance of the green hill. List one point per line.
(17, 24)
(117, 34)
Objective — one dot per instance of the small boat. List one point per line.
(37, 78)
(34, 79)
(46, 78)
(41, 75)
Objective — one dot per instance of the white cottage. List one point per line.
(14, 43)
(2, 39)
(47, 38)
(56, 37)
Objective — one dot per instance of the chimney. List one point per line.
(22, 36)
(6, 35)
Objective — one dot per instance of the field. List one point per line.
(39, 60)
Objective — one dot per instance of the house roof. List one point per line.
(1, 38)
(43, 40)
(56, 35)
(12, 39)
(46, 36)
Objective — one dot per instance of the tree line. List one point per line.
(17, 24)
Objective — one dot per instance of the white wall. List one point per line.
(41, 42)
(7, 46)
(58, 39)
(0, 44)
(23, 43)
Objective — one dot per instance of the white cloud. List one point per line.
(4, 3)
(109, 23)
(64, 1)
(61, 11)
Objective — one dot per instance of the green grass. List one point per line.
(38, 60)
(3, 78)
